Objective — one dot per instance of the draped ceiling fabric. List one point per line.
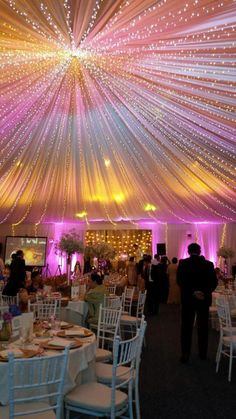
(117, 110)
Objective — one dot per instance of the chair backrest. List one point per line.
(4, 309)
(38, 380)
(128, 299)
(43, 309)
(114, 302)
(9, 300)
(108, 325)
(142, 330)
(111, 288)
(125, 354)
(141, 303)
(223, 311)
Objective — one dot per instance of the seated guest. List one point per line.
(94, 297)
(36, 282)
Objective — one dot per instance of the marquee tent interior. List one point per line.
(119, 114)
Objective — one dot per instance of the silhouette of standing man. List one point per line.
(197, 279)
(17, 275)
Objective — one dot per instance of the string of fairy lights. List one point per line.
(122, 241)
(116, 110)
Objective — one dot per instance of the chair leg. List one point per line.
(219, 349)
(230, 362)
(218, 361)
(136, 399)
(130, 392)
(67, 414)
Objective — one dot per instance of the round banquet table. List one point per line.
(80, 368)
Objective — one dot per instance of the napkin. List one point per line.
(74, 333)
(60, 342)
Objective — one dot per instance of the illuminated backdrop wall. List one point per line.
(176, 236)
(117, 110)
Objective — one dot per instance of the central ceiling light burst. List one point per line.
(81, 54)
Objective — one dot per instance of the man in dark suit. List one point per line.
(17, 274)
(197, 279)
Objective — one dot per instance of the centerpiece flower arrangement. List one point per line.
(225, 252)
(70, 243)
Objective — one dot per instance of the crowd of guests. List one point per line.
(189, 281)
(158, 276)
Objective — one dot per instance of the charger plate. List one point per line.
(26, 353)
(74, 344)
(66, 326)
(76, 334)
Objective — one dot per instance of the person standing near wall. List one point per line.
(197, 280)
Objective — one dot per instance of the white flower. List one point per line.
(225, 252)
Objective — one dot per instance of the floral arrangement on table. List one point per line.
(225, 252)
(70, 243)
(5, 331)
(100, 250)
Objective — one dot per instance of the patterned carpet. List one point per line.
(171, 390)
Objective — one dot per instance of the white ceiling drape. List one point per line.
(117, 110)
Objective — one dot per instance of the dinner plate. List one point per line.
(74, 344)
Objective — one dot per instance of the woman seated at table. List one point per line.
(94, 297)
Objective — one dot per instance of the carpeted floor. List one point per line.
(171, 390)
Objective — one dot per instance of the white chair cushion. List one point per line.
(227, 341)
(233, 312)
(228, 331)
(213, 309)
(128, 319)
(95, 397)
(103, 355)
(4, 411)
(104, 373)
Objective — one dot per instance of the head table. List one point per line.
(81, 363)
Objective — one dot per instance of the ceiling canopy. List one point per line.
(117, 110)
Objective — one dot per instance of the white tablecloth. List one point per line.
(76, 312)
(231, 298)
(81, 368)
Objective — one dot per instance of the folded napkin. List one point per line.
(17, 353)
(60, 342)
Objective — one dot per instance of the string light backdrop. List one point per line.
(117, 110)
(122, 241)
